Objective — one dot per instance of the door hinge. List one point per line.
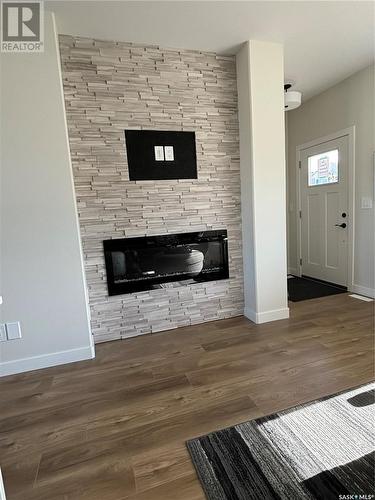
(300, 214)
(300, 262)
(299, 164)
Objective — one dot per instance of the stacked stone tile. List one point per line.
(110, 87)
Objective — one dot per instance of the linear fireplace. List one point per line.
(136, 264)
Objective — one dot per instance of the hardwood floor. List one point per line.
(115, 427)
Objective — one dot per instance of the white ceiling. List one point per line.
(325, 41)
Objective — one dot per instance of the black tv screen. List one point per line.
(160, 155)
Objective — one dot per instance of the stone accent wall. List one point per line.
(109, 87)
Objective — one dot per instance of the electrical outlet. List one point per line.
(159, 153)
(13, 330)
(168, 153)
(3, 333)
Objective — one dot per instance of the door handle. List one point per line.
(343, 225)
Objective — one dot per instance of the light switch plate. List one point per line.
(3, 333)
(366, 202)
(13, 330)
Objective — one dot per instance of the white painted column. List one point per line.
(260, 76)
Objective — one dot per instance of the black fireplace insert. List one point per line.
(150, 262)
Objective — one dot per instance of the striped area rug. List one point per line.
(322, 450)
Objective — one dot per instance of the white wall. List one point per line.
(41, 280)
(348, 103)
(260, 76)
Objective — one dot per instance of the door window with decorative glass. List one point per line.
(323, 168)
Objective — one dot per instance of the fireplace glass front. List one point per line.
(136, 264)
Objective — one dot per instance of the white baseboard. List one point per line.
(293, 270)
(46, 360)
(266, 316)
(363, 290)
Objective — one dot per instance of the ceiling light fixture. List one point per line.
(292, 99)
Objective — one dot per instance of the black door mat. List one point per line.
(307, 288)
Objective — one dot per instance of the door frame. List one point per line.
(350, 134)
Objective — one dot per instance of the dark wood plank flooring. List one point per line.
(115, 427)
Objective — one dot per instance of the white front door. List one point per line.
(324, 211)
